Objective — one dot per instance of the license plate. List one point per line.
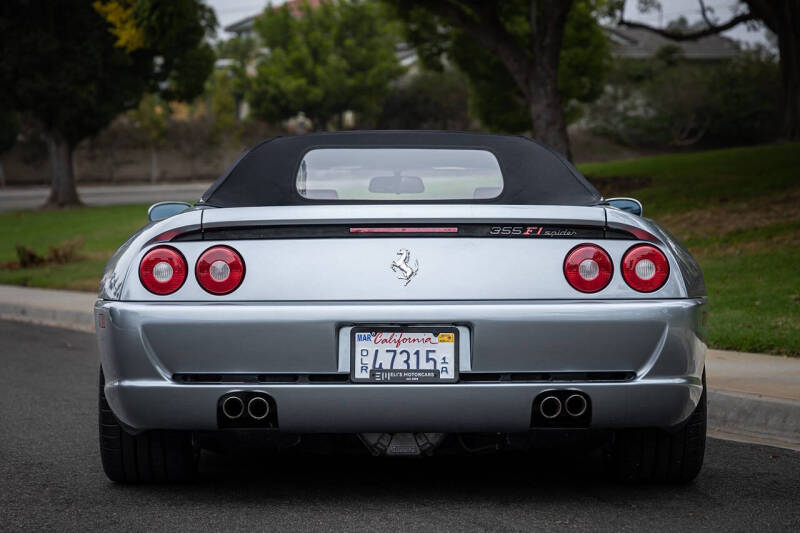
(404, 354)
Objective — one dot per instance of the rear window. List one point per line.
(392, 174)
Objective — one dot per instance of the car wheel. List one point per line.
(659, 455)
(151, 456)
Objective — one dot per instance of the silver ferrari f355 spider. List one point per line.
(409, 293)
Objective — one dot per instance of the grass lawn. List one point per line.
(737, 210)
(103, 228)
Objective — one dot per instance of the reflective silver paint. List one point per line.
(144, 344)
(509, 295)
(357, 269)
(410, 214)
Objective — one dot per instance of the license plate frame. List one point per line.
(404, 376)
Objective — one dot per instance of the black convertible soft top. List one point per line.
(533, 174)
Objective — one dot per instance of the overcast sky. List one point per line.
(229, 11)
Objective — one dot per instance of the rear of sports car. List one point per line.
(392, 304)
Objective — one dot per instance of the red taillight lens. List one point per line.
(220, 270)
(162, 270)
(588, 268)
(645, 268)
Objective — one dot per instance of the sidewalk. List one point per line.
(65, 309)
(751, 397)
(754, 397)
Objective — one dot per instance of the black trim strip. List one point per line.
(517, 230)
(464, 377)
(492, 377)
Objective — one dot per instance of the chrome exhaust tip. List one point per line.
(233, 407)
(258, 408)
(575, 405)
(550, 407)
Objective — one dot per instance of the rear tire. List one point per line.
(659, 455)
(150, 457)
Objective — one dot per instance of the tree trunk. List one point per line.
(536, 72)
(547, 115)
(320, 123)
(548, 20)
(153, 163)
(62, 189)
(789, 46)
(2, 175)
(111, 159)
(237, 107)
(192, 165)
(783, 18)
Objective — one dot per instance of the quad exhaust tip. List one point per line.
(575, 405)
(550, 407)
(233, 407)
(257, 408)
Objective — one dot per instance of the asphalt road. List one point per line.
(50, 475)
(33, 197)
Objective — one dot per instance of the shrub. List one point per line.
(66, 252)
(427, 100)
(668, 101)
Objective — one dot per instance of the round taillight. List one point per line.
(588, 268)
(162, 270)
(220, 270)
(645, 268)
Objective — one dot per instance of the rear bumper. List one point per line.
(143, 346)
(458, 408)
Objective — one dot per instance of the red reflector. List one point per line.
(220, 270)
(645, 268)
(162, 270)
(588, 268)
(404, 230)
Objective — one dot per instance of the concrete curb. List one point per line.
(64, 309)
(75, 321)
(770, 419)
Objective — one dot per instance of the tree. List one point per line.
(73, 66)
(495, 98)
(8, 137)
(427, 100)
(191, 130)
(515, 54)
(151, 119)
(222, 97)
(324, 61)
(669, 101)
(241, 52)
(782, 17)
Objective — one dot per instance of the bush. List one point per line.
(745, 101)
(669, 101)
(427, 100)
(61, 254)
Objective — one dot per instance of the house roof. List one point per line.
(642, 44)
